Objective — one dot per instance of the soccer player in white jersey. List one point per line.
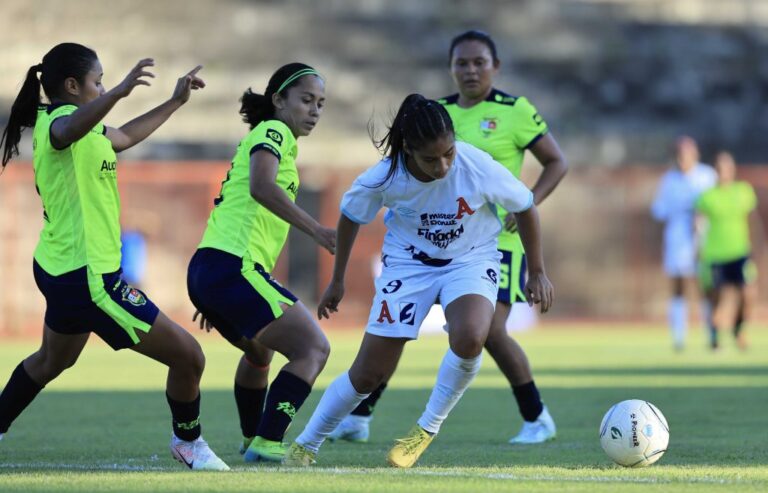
(674, 206)
(440, 245)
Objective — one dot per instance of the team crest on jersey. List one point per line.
(133, 296)
(488, 125)
(275, 135)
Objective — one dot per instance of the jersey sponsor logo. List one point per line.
(384, 314)
(439, 238)
(407, 313)
(488, 125)
(404, 211)
(463, 208)
(274, 135)
(438, 219)
(293, 188)
(133, 296)
(108, 166)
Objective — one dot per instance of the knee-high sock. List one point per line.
(453, 378)
(339, 399)
(678, 319)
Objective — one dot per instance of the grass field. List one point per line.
(104, 425)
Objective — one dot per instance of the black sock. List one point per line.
(250, 407)
(366, 407)
(18, 393)
(738, 325)
(186, 418)
(528, 400)
(286, 395)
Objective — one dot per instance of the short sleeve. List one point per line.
(365, 198)
(529, 125)
(60, 112)
(272, 136)
(501, 187)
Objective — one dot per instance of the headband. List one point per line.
(300, 73)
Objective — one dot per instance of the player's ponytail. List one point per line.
(419, 121)
(256, 108)
(23, 114)
(65, 60)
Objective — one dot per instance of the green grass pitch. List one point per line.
(104, 424)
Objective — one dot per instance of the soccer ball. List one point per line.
(634, 433)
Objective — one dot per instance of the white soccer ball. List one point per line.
(634, 433)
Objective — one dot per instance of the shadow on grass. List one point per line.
(709, 426)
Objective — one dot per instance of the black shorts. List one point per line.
(733, 272)
(82, 301)
(237, 296)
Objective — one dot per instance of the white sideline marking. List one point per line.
(375, 470)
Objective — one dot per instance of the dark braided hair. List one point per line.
(418, 122)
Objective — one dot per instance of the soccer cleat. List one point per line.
(244, 444)
(265, 450)
(539, 431)
(352, 429)
(196, 455)
(299, 456)
(407, 450)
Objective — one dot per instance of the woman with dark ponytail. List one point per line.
(440, 245)
(229, 277)
(77, 260)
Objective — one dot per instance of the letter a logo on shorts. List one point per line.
(407, 313)
(463, 208)
(384, 314)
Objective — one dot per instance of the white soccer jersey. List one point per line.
(442, 219)
(674, 205)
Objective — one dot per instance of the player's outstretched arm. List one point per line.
(345, 239)
(74, 127)
(142, 127)
(538, 289)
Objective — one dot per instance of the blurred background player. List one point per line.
(426, 172)
(229, 277)
(674, 206)
(77, 259)
(726, 248)
(505, 127)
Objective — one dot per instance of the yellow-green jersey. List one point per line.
(504, 126)
(81, 203)
(238, 224)
(727, 209)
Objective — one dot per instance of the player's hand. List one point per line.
(510, 223)
(329, 303)
(136, 77)
(205, 324)
(326, 238)
(186, 84)
(539, 290)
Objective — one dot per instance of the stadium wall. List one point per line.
(601, 246)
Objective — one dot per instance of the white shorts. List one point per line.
(680, 259)
(407, 289)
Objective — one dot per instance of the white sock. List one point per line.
(339, 399)
(453, 378)
(678, 319)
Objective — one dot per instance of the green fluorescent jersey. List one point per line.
(727, 209)
(81, 204)
(238, 224)
(504, 126)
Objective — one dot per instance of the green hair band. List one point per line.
(300, 73)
